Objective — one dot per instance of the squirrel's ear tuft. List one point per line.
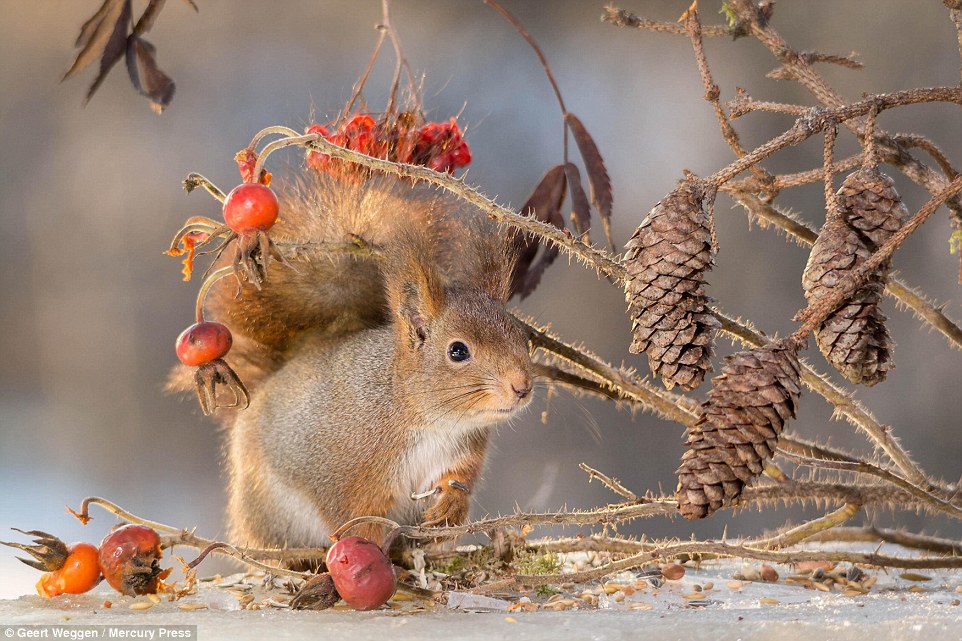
(415, 288)
(493, 260)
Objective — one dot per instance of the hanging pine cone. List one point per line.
(739, 426)
(854, 338)
(871, 205)
(666, 260)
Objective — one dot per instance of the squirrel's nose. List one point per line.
(522, 389)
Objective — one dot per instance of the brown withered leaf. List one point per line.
(598, 180)
(544, 204)
(580, 209)
(103, 36)
(146, 77)
(97, 31)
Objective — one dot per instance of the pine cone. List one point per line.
(854, 338)
(871, 205)
(666, 259)
(739, 426)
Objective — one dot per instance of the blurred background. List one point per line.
(89, 306)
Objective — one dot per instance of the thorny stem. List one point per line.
(588, 254)
(872, 534)
(817, 119)
(608, 266)
(675, 406)
(611, 483)
(798, 534)
(832, 208)
(269, 131)
(643, 507)
(712, 92)
(507, 15)
(240, 555)
(656, 553)
(861, 467)
(622, 18)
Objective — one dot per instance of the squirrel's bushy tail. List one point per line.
(332, 291)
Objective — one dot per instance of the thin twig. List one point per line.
(609, 482)
(622, 18)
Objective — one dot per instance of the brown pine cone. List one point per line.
(666, 259)
(871, 205)
(738, 430)
(854, 338)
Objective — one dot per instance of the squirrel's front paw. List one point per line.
(451, 504)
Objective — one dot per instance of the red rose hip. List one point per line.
(250, 207)
(203, 342)
(130, 560)
(363, 576)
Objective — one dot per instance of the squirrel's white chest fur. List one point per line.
(433, 452)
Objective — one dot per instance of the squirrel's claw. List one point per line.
(451, 505)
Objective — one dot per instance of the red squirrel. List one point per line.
(372, 378)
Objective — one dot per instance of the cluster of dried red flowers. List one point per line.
(437, 145)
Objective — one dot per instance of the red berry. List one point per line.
(79, 573)
(203, 342)
(250, 207)
(363, 576)
(130, 560)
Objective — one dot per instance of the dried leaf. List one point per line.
(98, 31)
(580, 209)
(598, 179)
(146, 77)
(111, 50)
(149, 16)
(544, 204)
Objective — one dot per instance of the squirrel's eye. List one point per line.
(458, 352)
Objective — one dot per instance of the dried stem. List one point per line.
(609, 482)
(223, 272)
(832, 208)
(715, 549)
(807, 530)
(622, 18)
(872, 534)
(193, 181)
(712, 92)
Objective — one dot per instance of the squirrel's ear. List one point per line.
(495, 254)
(415, 288)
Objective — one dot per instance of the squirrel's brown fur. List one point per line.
(356, 399)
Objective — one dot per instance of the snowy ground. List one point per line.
(707, 603)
